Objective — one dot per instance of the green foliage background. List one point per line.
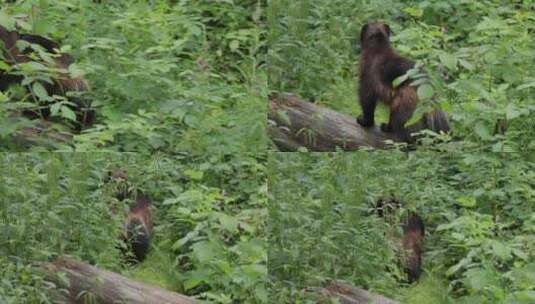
(479, 212)
(210, 218)
(477, 54)
(184, 84)
(165, 75)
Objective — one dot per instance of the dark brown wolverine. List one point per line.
(62, 82)
(412, 240)
(138, 224)
(379, 65)
(412, 244)
(139, 227)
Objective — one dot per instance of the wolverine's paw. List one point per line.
(386, 128)
(363, 122)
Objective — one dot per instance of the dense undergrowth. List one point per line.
(210, 218)
(165, 75)
(478, 211)
(184, 84)
(477, 54)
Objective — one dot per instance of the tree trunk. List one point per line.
(347, 294)
(83, 283)
(295, 123)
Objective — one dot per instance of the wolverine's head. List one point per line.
(375, 34)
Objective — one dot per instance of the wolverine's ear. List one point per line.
(363, 31)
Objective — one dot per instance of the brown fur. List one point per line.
(138, 224)
(379, 65)
(138, 232)
(141, 210)
(62, 83)
(411, 242)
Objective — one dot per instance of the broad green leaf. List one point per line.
(425, 91)
(482, 131)
(448, 60)
(228, 222)
(478, 279)
(523, 297)
(7, 21)
(193, 174)
(466, 64)
(526, 85)
(414, 11)
(455, 268)
(192, 283)
(501, 250)
(4, 66)
(40, 91)
(66, 112)
(467, 201)
(3, 97)
(206, 251)
(181, 242)
(55, 108)
(446, 226)
(399, 80)
(511, 112)
(521, 254)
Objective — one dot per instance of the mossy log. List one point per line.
(347, 294)
(41, 133)
(78, 282)
(294, 122)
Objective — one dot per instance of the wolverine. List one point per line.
(411, 243)
(379, 65)
(139, 227)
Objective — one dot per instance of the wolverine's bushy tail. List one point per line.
(413, 238)
(138, 237)
(139, 227)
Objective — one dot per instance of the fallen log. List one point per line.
(42, 133)
(347, 294)
(78, 282)
(294, 123)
